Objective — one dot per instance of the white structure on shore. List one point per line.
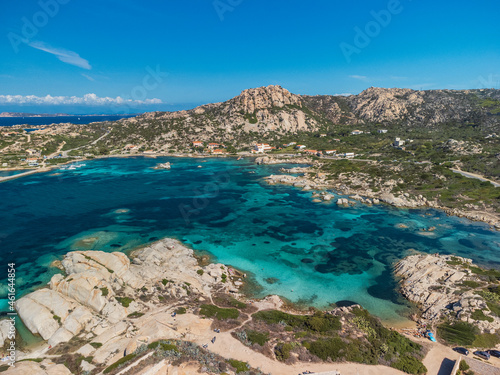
(260, 148)
(399, 143)
(382, 131)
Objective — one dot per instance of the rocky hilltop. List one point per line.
(451, 288)
(274, 111)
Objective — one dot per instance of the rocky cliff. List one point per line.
(102, 289)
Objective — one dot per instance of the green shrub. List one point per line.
(479, 315)
(494, 308)
(135, 314)
(329, 348)
(238, 365)
(219, 313)
(471, 284)
(200, 272)
(319, 322)
(165, 346)
(125, 301)
(180, 310)
(486, 340)
(410, 365)
(57, 319)
(120, 362)
(459, 333)
(282, 351)
(96, 345)
(256, 337)
(104, 292)
(463, 365)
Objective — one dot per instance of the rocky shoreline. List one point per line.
(112, 304)
(312, 180)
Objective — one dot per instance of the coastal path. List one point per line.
(475, 176)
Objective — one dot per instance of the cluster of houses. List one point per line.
(261, 148)
(358, 132)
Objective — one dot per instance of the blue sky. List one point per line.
(165, 55)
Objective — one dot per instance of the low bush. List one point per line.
(256, 337)
(319, 322)
(459, 333)
(125, 301)
(120, 362)
(180, 310)
(238, 365)
(479, 315)
(211, 311)
(410, 365)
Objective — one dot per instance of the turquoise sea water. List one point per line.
(310, 253)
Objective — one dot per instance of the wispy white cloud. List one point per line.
(66, 56)
(343, 94)
(88, 77)
(361, 78)
(87, 99)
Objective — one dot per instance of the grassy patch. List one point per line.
(165, 346)
(479, 315)
(459, 333)
(238, 365)
(319, 322)
(120, 362)
(211, 311)
(135, 314)
(486, 340)
(180, 310)
(471, 284)
(104, 292)
(410, 365)
(96, 345)
(125, 301)
(282, 351)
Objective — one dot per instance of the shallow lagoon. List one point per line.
(311, 253)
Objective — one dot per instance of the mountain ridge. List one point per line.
(270, 112)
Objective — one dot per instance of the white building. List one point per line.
(399, 143)
(330, 152)
(300, 147)
(357, 132)
(349, 155)
(382, 131)
(261, 148)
